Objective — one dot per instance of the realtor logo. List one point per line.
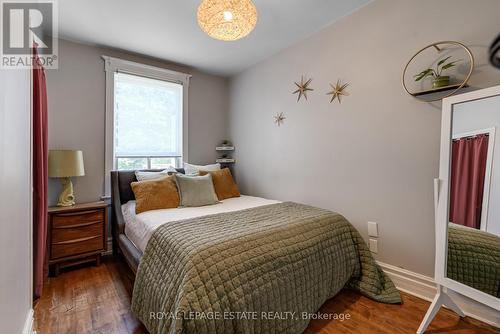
(23, 25)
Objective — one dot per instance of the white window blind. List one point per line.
(147, 122)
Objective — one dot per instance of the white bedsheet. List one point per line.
(139, 228)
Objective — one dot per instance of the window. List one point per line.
(148, 123)
(146, 117)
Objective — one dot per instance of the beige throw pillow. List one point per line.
(196, 190)
(191, 169)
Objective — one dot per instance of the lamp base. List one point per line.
(66, 198)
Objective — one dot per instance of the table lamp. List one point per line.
(64, 164)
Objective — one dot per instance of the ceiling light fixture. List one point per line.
(227, 20)
(228, 16)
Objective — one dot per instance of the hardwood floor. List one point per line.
(97, 300)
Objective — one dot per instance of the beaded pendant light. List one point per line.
(227, 20)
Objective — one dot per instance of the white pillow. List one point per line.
(190, 169)
(143, 176)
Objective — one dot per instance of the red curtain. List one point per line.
(40, 176)
(467, 180)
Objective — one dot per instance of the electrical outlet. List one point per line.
(374, 246)
(373, 229)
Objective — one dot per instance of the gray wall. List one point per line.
(374, 157)
(76, 94)
(479, 115)
(15, 200)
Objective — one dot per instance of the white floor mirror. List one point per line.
(468, 202)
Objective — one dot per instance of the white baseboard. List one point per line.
(28, 323)
(424, 287)
(410, 282)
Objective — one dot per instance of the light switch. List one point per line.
(372, 229)
(374, 246)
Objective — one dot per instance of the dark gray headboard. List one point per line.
(121, 192)
(121, 180)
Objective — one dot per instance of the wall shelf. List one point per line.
(225, 161)
(224, 148)
(440, 89)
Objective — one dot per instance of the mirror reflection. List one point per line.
(474, 202)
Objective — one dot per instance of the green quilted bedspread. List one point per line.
(474, 259)
(260, 270)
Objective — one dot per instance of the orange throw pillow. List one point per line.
(155, 194)
(224, 184)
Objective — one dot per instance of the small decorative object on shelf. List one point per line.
(438, 79)
(338, 90)
(225, 147)
(302, 88)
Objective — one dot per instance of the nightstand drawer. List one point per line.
(76, 246)
(73, 219)
(77, 234)
(84, 230)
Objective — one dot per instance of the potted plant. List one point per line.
(438, 79)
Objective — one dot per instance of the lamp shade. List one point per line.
(227, 20)
(65, 163)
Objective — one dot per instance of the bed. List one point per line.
(245, 265)
(121, 193)
(129, 240)
(474, 258)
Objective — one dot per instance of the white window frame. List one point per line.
(115, 65)
(148, 158)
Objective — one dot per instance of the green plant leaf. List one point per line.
(449, 65)
(418, 78)
(442, 61)
(424, 74)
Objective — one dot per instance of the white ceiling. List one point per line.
(167, 29)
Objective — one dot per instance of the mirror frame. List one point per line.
(442, 198)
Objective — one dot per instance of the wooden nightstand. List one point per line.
(77, 234)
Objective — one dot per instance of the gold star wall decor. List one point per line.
(303, 88)
(279, 118)
(338, 91)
